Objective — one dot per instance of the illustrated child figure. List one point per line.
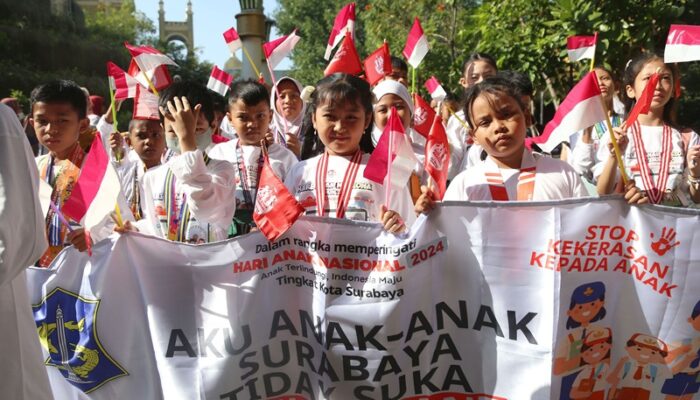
(249, 114)
(685, 364)
(190, 198)
(635, 374)
(332, 183)
(288, 112)
(653, 151)
(595, 353)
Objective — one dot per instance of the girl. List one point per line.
(498, 122)
(652, 148)
(288, 109)
(332, 182)
(585, 144)
(595, 354)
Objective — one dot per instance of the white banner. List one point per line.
(578, 299)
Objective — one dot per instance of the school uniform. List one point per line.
(686, 381)
(591, 378)
(584, 155)
(460, 141)
(190, 199)
(365, 198)
(553, 180)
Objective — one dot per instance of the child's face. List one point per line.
(340, 126)
(201, 127)
(695, 322)
(645, 355)
(400, 75)
(476, 72)
(605, 82)
(289, 102)
(664, 89)
(383, 106)
(596, 353)
(250, 122)
(147, 139)
(499, 126)
(57, 126)
(585, 312)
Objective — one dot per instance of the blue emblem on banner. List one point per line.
(66, 324)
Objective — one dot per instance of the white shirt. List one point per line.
(458, 137)
(366, 197)
(207, 188)
(554, 180)
(281, 160)
(22, 241)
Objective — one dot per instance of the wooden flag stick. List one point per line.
(461, 121)
(150, 84)
(250, 60)
(616, 148)
(118, 213)
(413, 80)
(114, 115)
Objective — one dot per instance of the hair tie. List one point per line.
(306, 93)
(628, 63)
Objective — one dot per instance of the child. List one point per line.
(190, 198)
(59, 115)
(341, 115)
(249, 114)
(498, 123)
(684, 361)
(399, 71)
(287, 113)
(147, 141)
(653, 151)
(635, 374)
(595, 353)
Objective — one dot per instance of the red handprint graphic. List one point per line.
(665, 242)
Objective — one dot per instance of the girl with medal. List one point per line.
(653, 150)
(332, 184)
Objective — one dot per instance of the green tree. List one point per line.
(119, 23)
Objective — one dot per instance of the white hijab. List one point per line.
(398, 89)
(278, 120)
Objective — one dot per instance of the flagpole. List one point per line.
(464, 124)
(387, 189)
(277, 90)
(616, 147)
(150, 84)
(413, 80)
(118, 212)
(595, 47)
(114, 115)
(250, 60)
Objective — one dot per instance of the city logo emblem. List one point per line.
(379, 65)
(265, 200)
(420, 116)
(67, 328)
(437, 156)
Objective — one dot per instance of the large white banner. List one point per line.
(581, 299)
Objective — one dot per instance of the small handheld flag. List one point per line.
(219, 81)
(344, 23)
(437, 155)
(276, 50)
(581, 47)
(378, 64)
(416, 45)
(345, 59)
(682, 44)
(233, 41)
(435, 89)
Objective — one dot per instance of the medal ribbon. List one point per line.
(345, 188)
(655, 190)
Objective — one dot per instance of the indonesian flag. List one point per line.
(435, 89)
(581, 108)
(278, 49)
(392, 145)
(423, 116)
(233, 40)
(344, 23)
(416, 45)
(145, 105)
(123, 84)
(682, 44)
(275, 208)
(378, 64)
(581, 47)
(219, 81)
(159, 76)
(148, 58)
(95, 193)
(437, 155)
(643, 104)
(345, 59)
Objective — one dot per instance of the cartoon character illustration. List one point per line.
(634, 375)
(595, 353)
(587, 306)
(684, 361)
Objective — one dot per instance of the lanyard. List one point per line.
(243, 174)
(655, 190)
(178, 216)
(345, 188)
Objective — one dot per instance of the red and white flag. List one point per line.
(145, 105)
(275, 208)
(581, 47)
(148, 58)
(95, 194)
(345, 59)
(643, 104)
(123, 84)
(219, 81)
(392, 145)
(233, 41)
(437, 155)
(581, 108)
(344, 23)
(378, 64)
(435, 89)
(416, 45)
(682, 44)
(423, 115)
(159, 76)
(276, 50)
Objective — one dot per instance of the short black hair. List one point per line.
(61, 91)
(479, 57)
(521, 81)
(397, 63)
(195, 92)
(249, 91)
(495, 85)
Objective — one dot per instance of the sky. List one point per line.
(211, 19)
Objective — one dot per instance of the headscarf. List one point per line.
(278, 120)
(395, 88)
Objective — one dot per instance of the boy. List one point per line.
(250, 115)
(399, 71)
(189, 198)
(59, 116)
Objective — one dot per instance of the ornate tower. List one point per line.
(177, 30)
(254, 29)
